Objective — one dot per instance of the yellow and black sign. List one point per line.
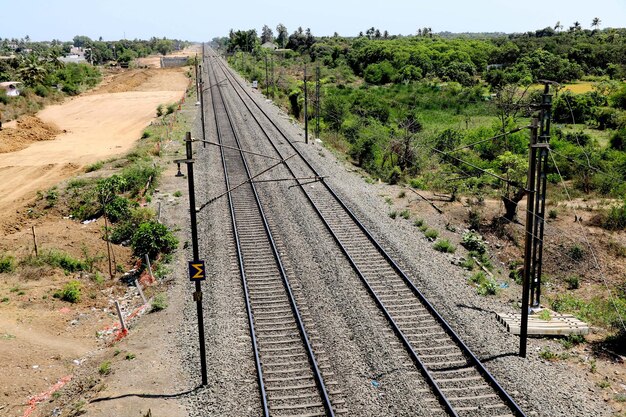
(197, 271)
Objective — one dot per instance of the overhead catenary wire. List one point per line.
(593, 254)
(593, 168)
(447, 154)
(518, 129)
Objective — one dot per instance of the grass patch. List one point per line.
(418, 222)
(405, 214)
(485, 285)
(468, 264)
(159, 302)
(402, 194)
(70, 292)
(7, 264)
(598, 311)
(444, 246)
(77, 183)
(573, 282)
(105, 368)
(572, 340)
(94, 167)
(545, 315)
(177, 194)
(548, 355)
(393, 214)
(431, 234)
(130, 356)
(57, 259)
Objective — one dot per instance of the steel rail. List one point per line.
(300, 324)
(255, 344)
(446, 326)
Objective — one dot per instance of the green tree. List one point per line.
(81, 41)
(32, 70)
(164, 46)
(266, 34)
(281, 35)
(514, 168)
(595, 23)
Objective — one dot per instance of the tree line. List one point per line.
(389, 101)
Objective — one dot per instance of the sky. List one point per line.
(204, 20)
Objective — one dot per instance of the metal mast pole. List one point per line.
(196, 256)
(317, 101)
(530, 219)
(540, 204)
(306, 116)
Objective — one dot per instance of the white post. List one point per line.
(119, 313)
(143, 297)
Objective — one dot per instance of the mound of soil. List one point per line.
(29, 129)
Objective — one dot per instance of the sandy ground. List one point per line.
(42, 337)
(98, 126)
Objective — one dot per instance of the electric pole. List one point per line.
(317, 101)
(306, 116)
(202, 109)
(540, 203)
(535, 213)
(267, 84)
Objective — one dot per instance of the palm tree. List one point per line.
(595, 23)
(31, 71)
(575, 27)
(558, 26)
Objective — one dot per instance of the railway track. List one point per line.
(290, 380)
(460, 381)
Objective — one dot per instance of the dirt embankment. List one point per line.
(43, 339)
(41, 151)
(28, 129)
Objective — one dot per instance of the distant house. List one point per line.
(11, 88)
(72, 58)
(270, 45)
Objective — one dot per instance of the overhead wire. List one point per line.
(593, 254)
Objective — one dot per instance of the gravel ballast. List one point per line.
(373, 372)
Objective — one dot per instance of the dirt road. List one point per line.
(98, 125)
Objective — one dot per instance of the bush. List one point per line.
(7, 264)
(576, 252)
(117, 209)
(42, 90)
(136, 177)
(473, 242)
(474, 218)
(615, 219)
(478, 277)
(160, 111)
(152, 238)
(618, 140)
(431, 234)
(159, 302)
(445, 246)
(488, 287)
(573, 282)
(552, 214)
(69, 293)
(394, 175)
